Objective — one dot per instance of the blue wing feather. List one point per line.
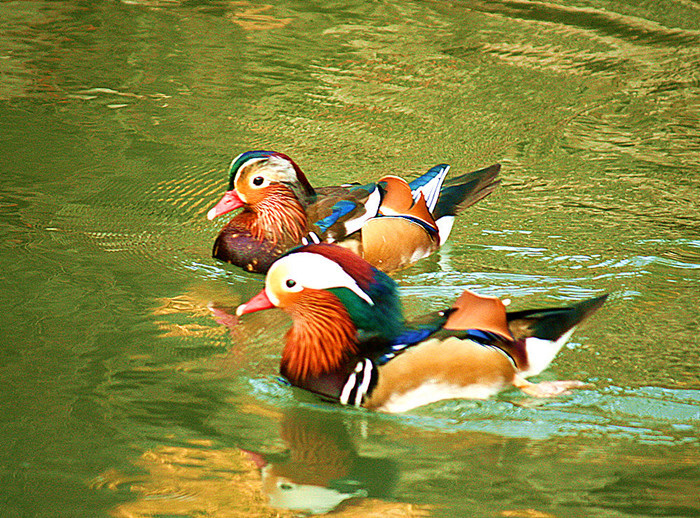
(344, 207)
(423, 179)
(406, 339)
(340, 209)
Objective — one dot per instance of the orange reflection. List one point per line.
(319, 472)
(194, 315)
(252, 18)
(193, 480)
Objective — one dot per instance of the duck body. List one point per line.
(237, 243)
(391, 223)
(349, 341)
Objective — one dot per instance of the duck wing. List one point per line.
(543, 332)
(341, 211)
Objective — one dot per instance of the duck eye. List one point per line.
(291, 283)
(258, 181)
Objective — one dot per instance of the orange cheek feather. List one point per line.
(321, 338)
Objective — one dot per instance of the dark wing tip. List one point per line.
(551, 323)
(589, 306)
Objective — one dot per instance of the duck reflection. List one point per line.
(317, 470)
(321, 468)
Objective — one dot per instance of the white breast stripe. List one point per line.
(311, 237)
(366, 378)
(347, 389)
(358, 382)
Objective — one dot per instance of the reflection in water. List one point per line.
(194, 479)
(319, 471)
(321, 468)
(359, 464)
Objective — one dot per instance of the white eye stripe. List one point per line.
(314, 271)
(270, 295)
(276, 169)
(247, 163)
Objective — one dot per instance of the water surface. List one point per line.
(124, 392)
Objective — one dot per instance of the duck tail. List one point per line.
(461, 192)
(545, 331)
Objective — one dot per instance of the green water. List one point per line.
(124, 394)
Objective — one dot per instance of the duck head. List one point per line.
(256, 175)
(338, 302)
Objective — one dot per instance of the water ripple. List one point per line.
(606, 23)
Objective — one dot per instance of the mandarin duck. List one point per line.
(391, 223)
(350, 343)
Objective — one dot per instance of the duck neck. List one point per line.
(321, 340)
(280, 217)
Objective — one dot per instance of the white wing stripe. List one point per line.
(371, 209)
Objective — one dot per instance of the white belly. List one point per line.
(437, 391)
